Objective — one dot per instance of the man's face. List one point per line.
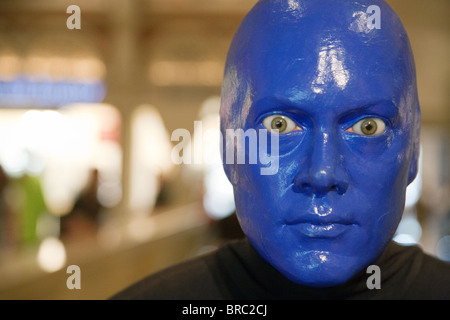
(343, 106)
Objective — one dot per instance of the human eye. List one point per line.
(281, 123)
(368, 127)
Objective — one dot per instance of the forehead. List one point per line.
(321, 52)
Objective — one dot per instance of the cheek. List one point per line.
(379, 185)
(258, 198)
(380, 163)
(383, 172)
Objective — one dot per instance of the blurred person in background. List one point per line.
(83, 220)
(6, 231)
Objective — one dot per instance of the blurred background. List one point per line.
(87, 129)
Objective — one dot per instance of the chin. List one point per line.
(321, 269)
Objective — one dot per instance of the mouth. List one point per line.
(332, 230)
(316, 228)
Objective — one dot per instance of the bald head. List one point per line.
(317, 47)
(334, 82)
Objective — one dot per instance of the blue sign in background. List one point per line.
(23, 92)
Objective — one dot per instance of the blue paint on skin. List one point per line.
(348, 94)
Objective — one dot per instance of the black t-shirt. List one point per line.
(237, 271)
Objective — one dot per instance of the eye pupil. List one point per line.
(369, 127)
(279, 123)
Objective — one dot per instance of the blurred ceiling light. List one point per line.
(60, 68)
(88, 69)
(186, 73)
(405, 239)
(10, 66)
(409, 231)
(210, 107)
(218, 199)
(51, 255)
(27, 138)
(150, 157)
(55, 70)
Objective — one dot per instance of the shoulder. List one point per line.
(429, 277)
(433, 279)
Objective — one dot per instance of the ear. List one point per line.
(227, 169)
(414, 165)
(416, 147)
(230, 172)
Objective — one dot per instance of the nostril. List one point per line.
(303, 187)
(320, 183)
(306, 187)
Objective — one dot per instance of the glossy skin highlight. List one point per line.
(339, 193)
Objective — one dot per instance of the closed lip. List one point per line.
(322, 227)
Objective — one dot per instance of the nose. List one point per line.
(322, 170)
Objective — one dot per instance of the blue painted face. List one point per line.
(343, 98)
